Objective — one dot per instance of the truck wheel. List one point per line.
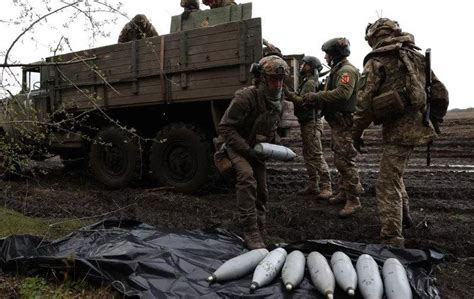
(115, 157)
(179, 157)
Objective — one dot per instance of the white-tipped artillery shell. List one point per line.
(274, 151)
(344, 272)
(321, 274)
(238, 266)
(368, 276)
(396, 280)
(268, 268)
(293, 270)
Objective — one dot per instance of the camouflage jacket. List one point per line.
(132, 32)
(339, 94)
(385, 71)
(249, 119)
(302, 112)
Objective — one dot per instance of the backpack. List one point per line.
(413, 96)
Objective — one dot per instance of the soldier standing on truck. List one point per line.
(189, 6)
(218, 3)
(337, 102)
(253, 117)
(311, 127)
(139, 27)
(392, 93)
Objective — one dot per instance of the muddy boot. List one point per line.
(407, 221)
(251, 233)
(253, 239)
(310, 188)
(326, 192)
(338, 199)
(262, 223)
(352, 205)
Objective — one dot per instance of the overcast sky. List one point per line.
(297, 27)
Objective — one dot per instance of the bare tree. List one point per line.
(51, 27)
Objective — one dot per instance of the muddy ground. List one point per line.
(441, 198)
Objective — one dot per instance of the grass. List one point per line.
(37, 287)
(14, 223)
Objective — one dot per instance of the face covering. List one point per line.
(273, 88)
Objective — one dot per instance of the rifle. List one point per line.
(429, 98)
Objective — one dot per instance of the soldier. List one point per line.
(270, 49)
(218, 3)
(139, 27)
(311, 127)
(337, 102)
(393, 74)
(189, 6)
(252, 117)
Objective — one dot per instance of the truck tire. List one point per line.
(179, 157)
(115, 157)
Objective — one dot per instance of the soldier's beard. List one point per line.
(273, 95)
(273, 89)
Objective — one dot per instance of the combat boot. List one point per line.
(339, 198)
(253, 239)
(352, 205)
(310, 188)
(326, 192)
(251, 233)
(407, 221)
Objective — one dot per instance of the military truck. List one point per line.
(149, 105)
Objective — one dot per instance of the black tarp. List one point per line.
(139, 260)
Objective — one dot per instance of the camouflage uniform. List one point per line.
(218, 3)
(252, 117)
(337, 102)
(139, 27)
(385, 71)
(311, 132)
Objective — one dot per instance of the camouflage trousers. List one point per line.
(316, 166)
(344, 158)
(251, 188)
(390, 190)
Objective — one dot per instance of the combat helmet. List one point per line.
(273, 66)
(313, 62)
(268, 51)
(381, 28)
(388, 26)
(337, 47)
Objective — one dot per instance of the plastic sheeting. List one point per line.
(142, 261)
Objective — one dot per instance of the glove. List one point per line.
(359, 144)
(253, 155)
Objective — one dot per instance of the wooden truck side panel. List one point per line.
(196, 65)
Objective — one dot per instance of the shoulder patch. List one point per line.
(345, 78)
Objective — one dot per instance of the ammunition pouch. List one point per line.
(387, 106)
